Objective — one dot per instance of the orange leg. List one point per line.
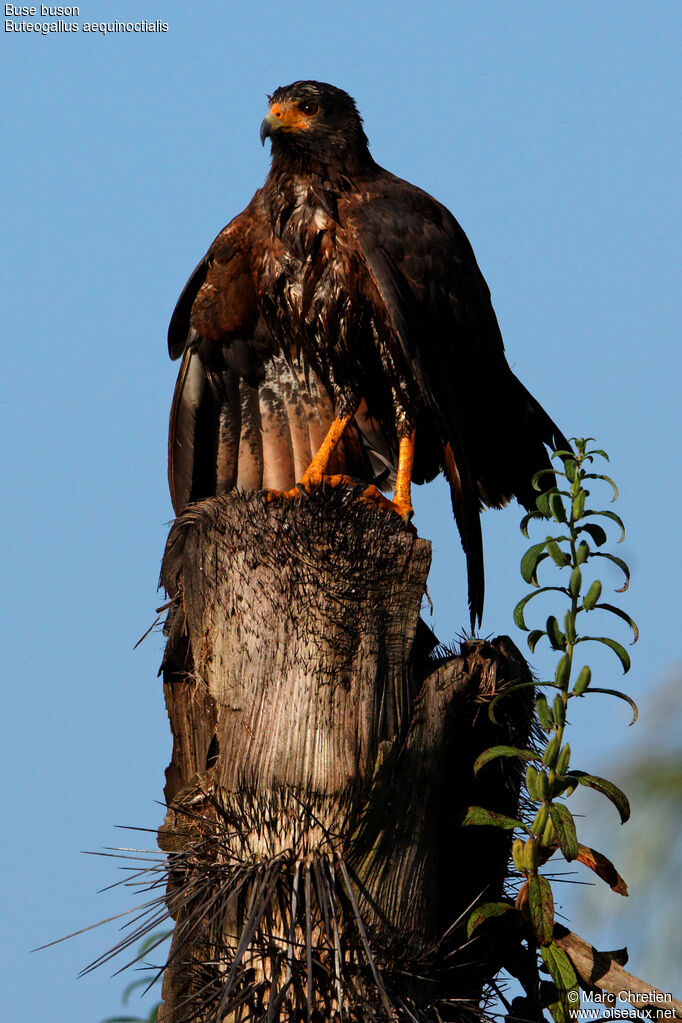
(315, 474)
(318, 466)
(402, 498)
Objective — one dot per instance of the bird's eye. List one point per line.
(309, 109)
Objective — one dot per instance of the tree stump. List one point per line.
(321, 767)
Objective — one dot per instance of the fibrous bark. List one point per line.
(322, 762)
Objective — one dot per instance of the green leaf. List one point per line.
(606, 479)
(544, 713)
(563, 453)
(479, 816)
(554, 634)
(569, 626)
(596, 532)
(543, 786)
(520, 607)
(582, 681)
(503, 751)
(542, 504)
(578, 506)
(553, 472)
(487, 911)
(618, 649)
(541, 907)
(530, 561)
(560, 968)
(621, 565)
(528, 518)
(621, 614)
(565, 1006)
(563, 760)
(551, 752)
(538, 825)
(592, 596)
(582, 553)
(608, 789)
(614, 518)
(564, 825)
(621, 696)
(556, 506)
(555, 552)
(507, 692)
(563, 671)
(534, 637)
(532, 784)
(570, 469)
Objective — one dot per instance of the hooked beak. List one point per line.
(269, 125)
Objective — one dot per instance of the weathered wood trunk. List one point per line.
(322, 762)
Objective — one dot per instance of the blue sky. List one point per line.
(550, 130)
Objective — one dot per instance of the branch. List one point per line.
(598, 970)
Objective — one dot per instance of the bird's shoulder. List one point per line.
(220, 292)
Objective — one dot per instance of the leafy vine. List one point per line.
(550, 777)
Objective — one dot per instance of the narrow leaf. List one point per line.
(520, 607)
(556, 506)
(530, 561)
(554, 634)
(544, 713)
(553, 472)
(598, 451)
(526, 519)
(560, 968)
(620, 696)
(607, 788)
(621, 565)
(618, 649)
(564, 826)
(485, 912)
(614, 518)
(478, 815)
(534, 637)
(603, 868)
(541, 907)
(606, 479)
(621, 614)
(507, 692)
(503, 751)
(579, 505)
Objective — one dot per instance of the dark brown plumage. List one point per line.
(345, 298)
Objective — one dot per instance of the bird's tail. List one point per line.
(466, 509)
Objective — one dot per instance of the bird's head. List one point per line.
(313, 121)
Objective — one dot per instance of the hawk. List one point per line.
(339, 329)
